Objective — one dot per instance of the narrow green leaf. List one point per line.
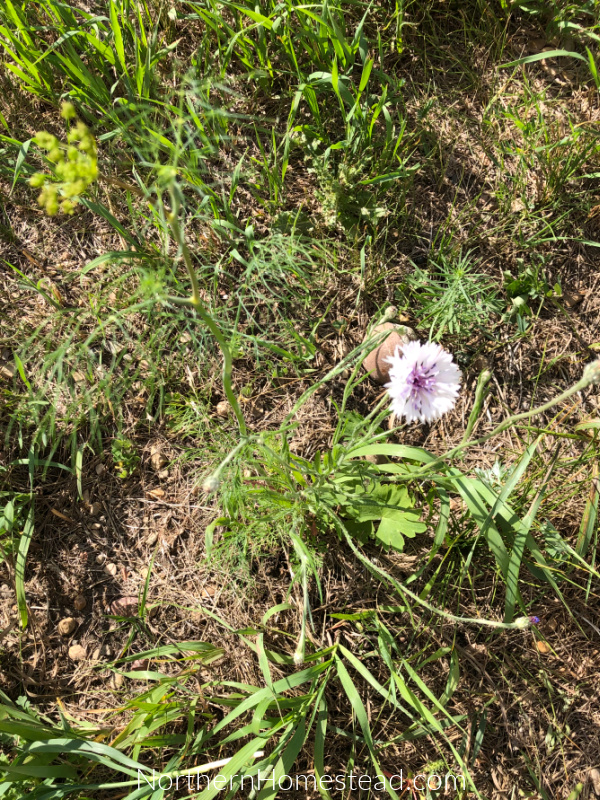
(24, 542)
(542, 56)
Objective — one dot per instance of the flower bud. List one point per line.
(526, 622)
(211, 484)
(592, 372)
(67, 111)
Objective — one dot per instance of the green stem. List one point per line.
(480, 392)
(581, 384)
(403, 590)
(200, 309)
(212, 483)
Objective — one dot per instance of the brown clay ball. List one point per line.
(376, 362)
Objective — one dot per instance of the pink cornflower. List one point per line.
(424, 382)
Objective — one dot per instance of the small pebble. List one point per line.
(118, 680)
(543, 647)
(100, 469)
(8, 371)
(125, 607)
(103, 651)
(139, 664)
(111, 569)
(157, 459)
(79, 602)
(223, 408)
(77, 652)
(66, 626)
(376, 361)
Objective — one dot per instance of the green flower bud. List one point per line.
(211, 484)
(45, 140)
(68, 110)
(67, 207)
(592, 372)
(75, 167)
(37, 179)
(52, 206)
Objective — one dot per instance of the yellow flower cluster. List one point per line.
(75, 166)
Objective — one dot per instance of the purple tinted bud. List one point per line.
(525, 622)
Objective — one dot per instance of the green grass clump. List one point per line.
(451, 297)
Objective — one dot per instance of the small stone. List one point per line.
(376, 362)
(125, 607)
(572, 299)
(377, 459)
(157, 459)
(111, 569)
(79, 602)
(100, 558)
(77, 652)
(103, 651)
(543, 647)
(100, 469)
(456, 504)
(223, 408)
(118, 680)
(139, 664)
(8, 371)
(66, 626)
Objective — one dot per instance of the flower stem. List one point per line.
(403, 590)
(581, 384)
